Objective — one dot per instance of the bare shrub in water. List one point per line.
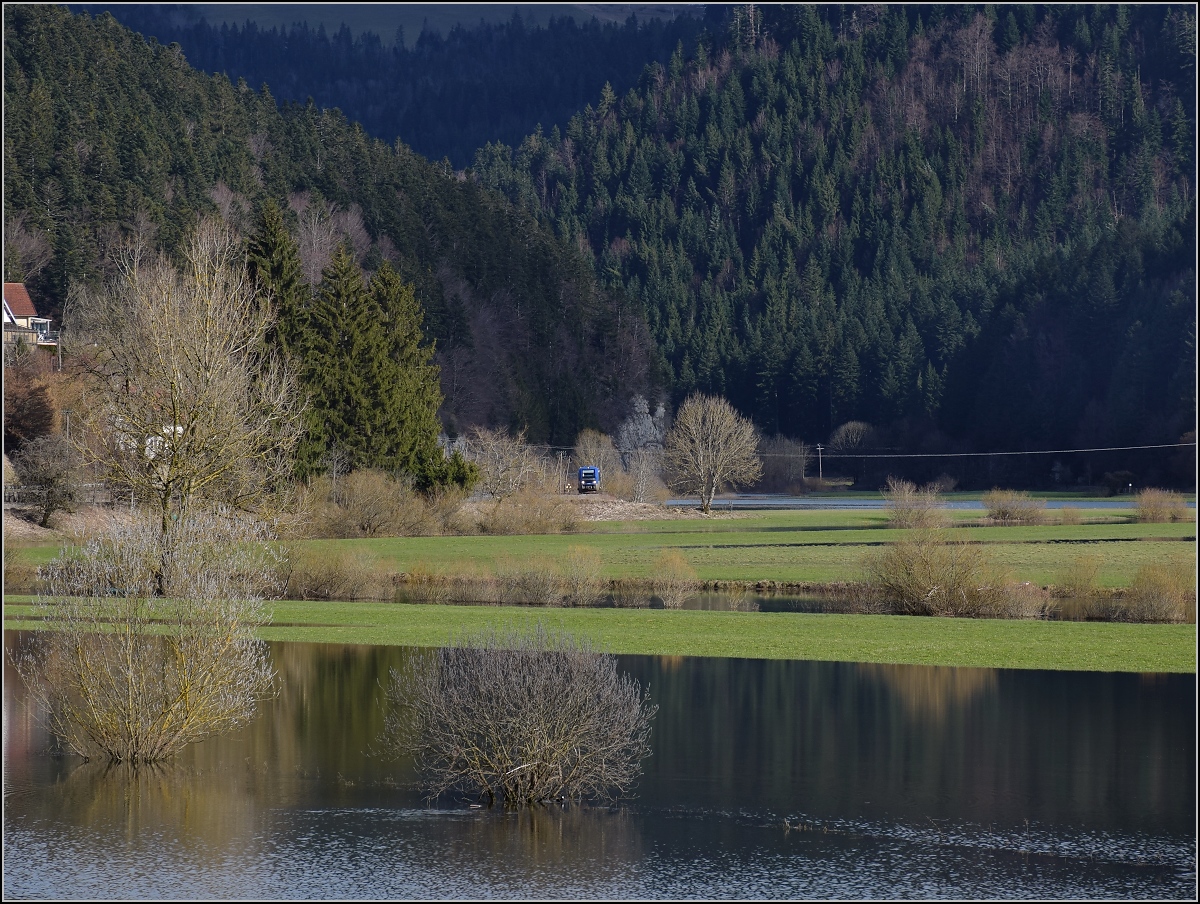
(630, 594)
(674, 579)
(928, 574)
(911, 506)
(525, 718)
(1158, 506)
(1012, 507)
(127, 674)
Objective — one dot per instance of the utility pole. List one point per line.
(820, 470)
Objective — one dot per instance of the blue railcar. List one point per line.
(589, 479)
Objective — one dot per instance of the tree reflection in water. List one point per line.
(934, 691)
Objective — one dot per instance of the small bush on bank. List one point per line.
(341, 574)
(422, 584)
(1159, 506)
(1163, 593)
(1070, 515)
(1079, 578)
(911, 506)
(674, 579)
(1012, 507)
(582, 584)
(530, 582)
(527, 512)
(930, 575)
(370, 503)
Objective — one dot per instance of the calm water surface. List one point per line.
(768, 780)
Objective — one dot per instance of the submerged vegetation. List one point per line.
(152, 638)
(523, 717)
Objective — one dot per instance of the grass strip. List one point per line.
(904, 640)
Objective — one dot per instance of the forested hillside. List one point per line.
(443, 96)
(973, 228)
(970, 227)
(108, 136)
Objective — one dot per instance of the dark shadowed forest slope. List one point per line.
(107, 135)
(973, 228)
(444, 95)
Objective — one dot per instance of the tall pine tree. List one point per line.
(404, 383)
(273, 262)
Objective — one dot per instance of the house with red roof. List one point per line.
(21, 321)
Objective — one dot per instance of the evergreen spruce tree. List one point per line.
(334, 371)
(273, 262)
(403, 382)
(373, 390)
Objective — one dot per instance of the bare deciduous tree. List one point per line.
(710, 447)
(507, 464)
(182, 399)
(49, 468)
(785, 464)
(27, 249)
(126, 673)
(645, 476)
(526, 718)
(850, 435)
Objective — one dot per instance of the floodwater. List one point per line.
(768, 779)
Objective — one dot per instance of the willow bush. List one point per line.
(130, 675)
(1158, 506)
(1164, 592)
(522, 718)
(1013, 507)
(911, 506)
(929, 574)
(674, 579)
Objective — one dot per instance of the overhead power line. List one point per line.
(827, 454)
(985, 454)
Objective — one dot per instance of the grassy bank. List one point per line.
(906, 640)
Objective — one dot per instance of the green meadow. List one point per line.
(810, 546)
(905, 640)
(784, 547)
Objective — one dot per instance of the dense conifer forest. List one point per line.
(970, 227)
(443, 95)
(108, 136)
